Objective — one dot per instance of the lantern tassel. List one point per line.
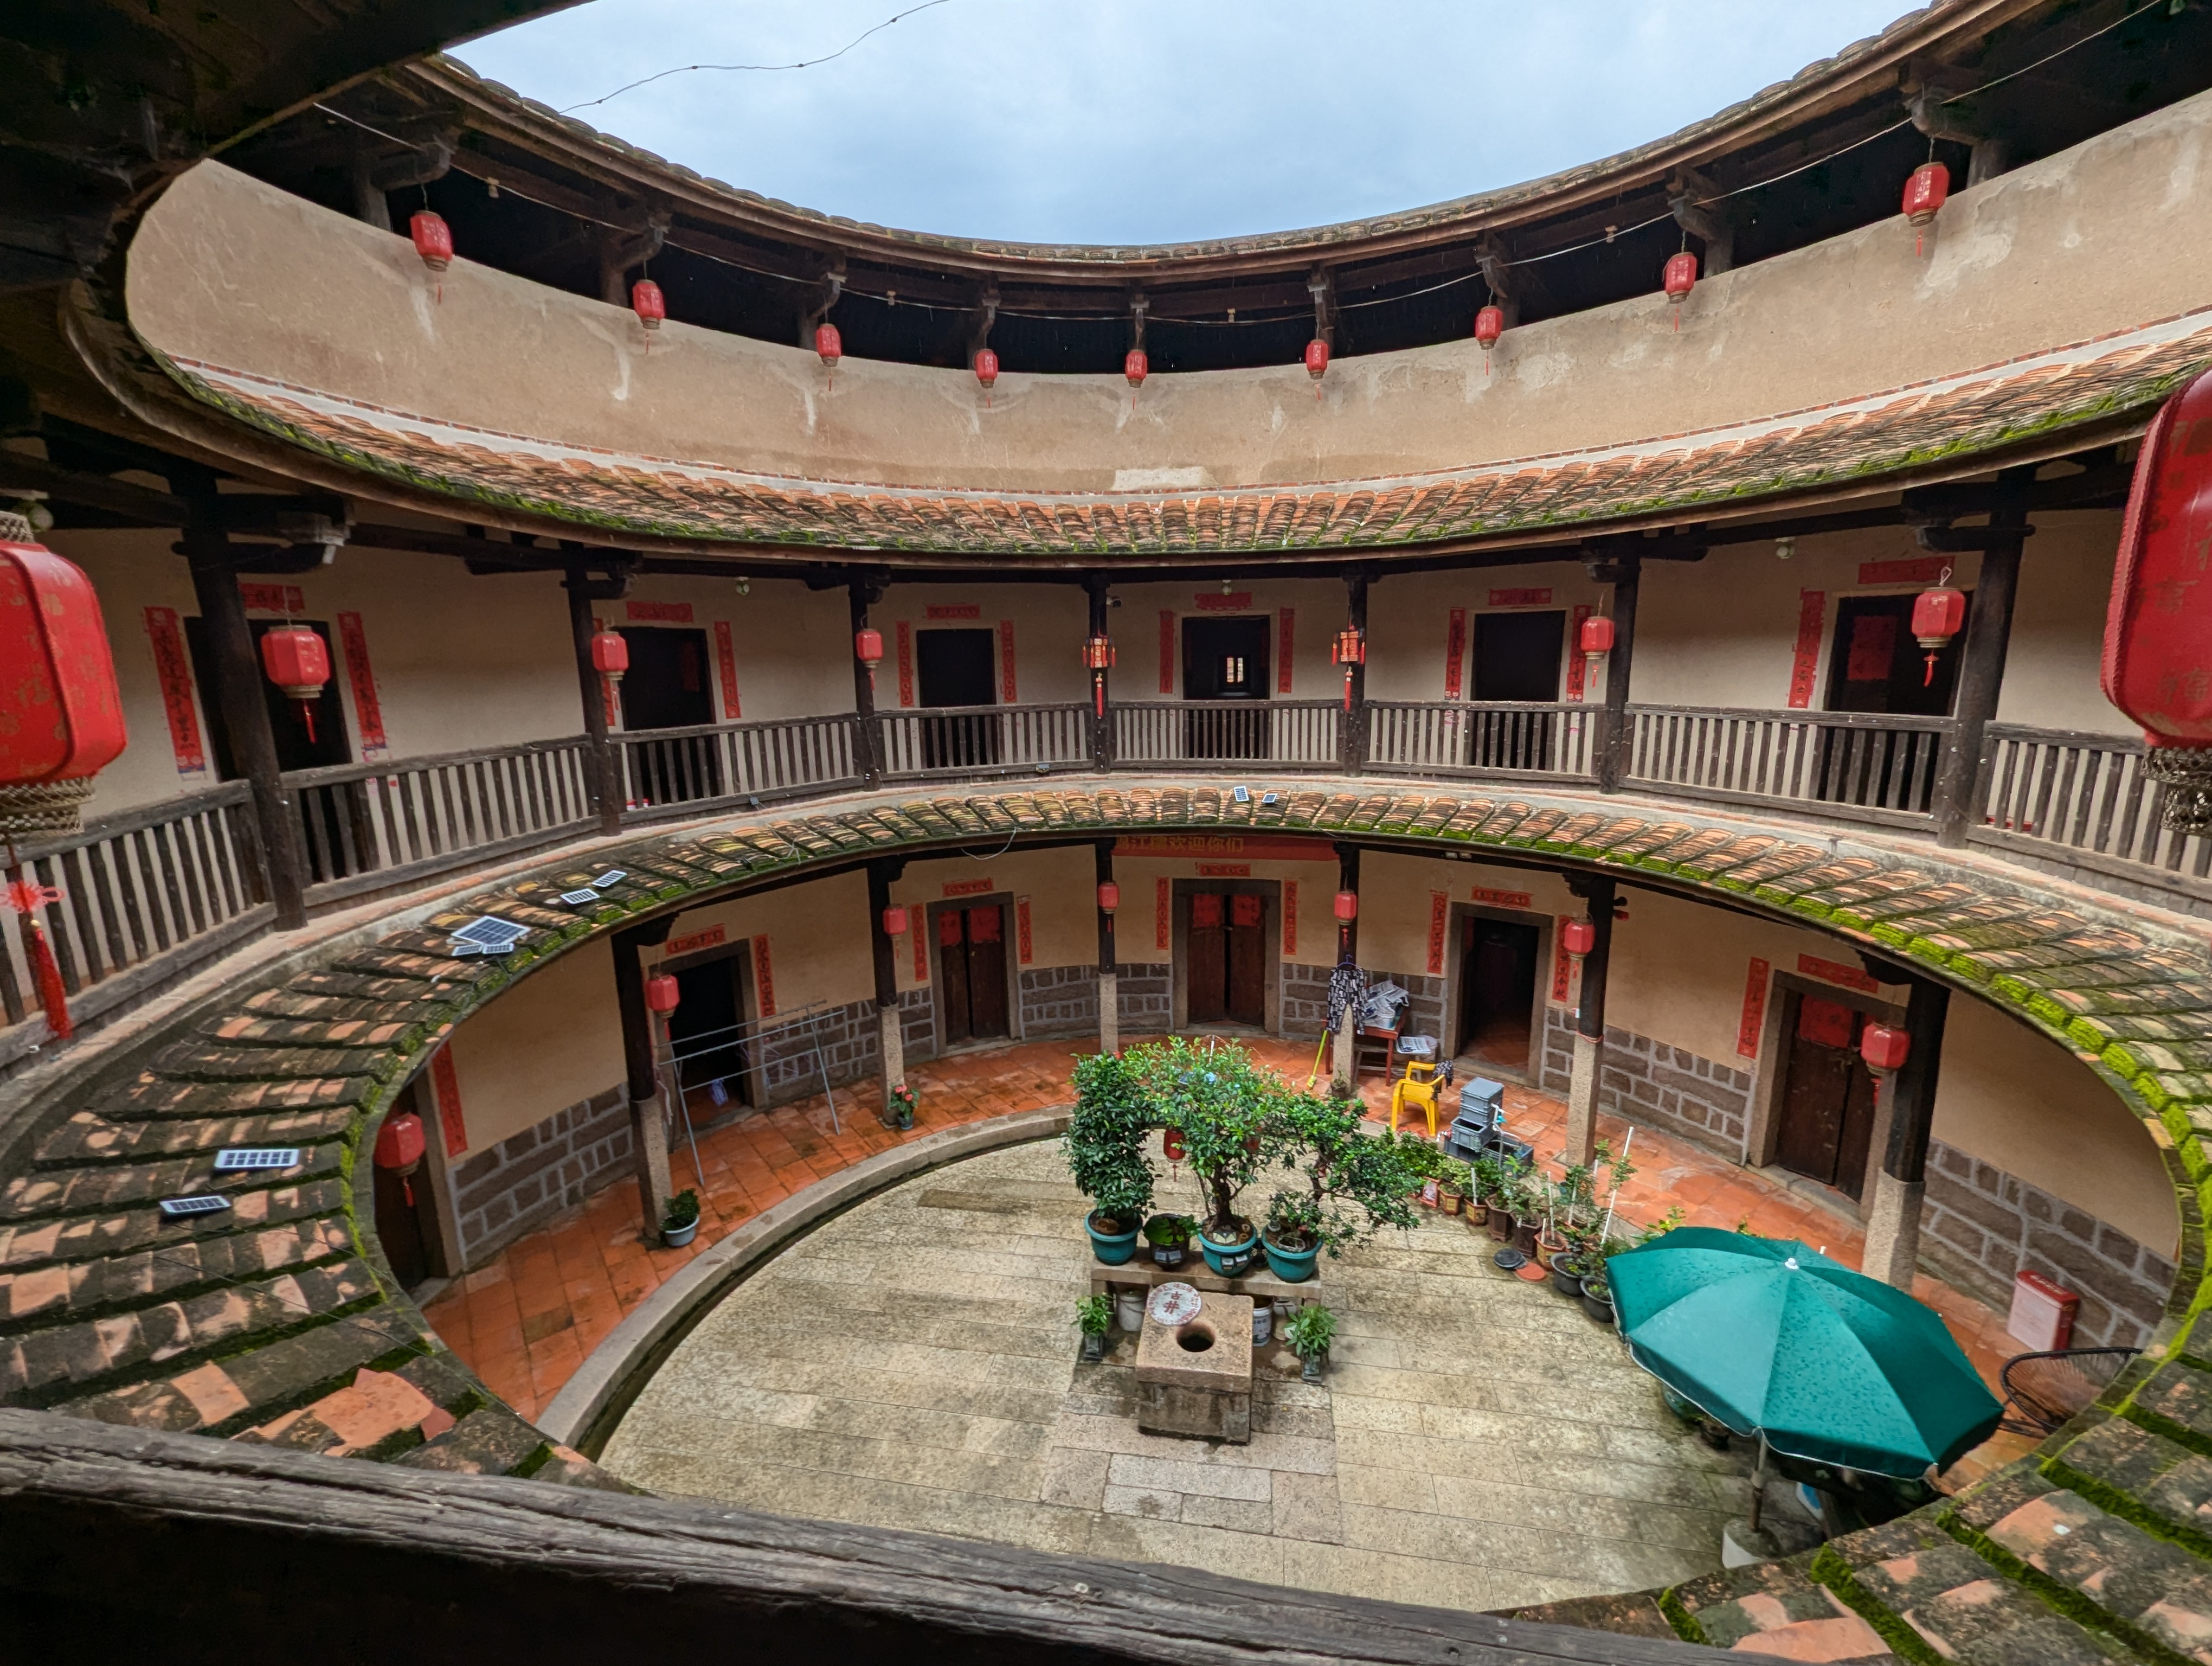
(1928, 681)
(53, 995)
(308, 717)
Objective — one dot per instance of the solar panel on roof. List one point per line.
(577, 899)
(242, 1158)
(613, 876)
(488, 935)
(178, 1208)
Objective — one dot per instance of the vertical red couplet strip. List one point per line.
(1754, 1010)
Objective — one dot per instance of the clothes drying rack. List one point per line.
(747, 1032)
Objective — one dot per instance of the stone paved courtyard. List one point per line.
(912, 1364)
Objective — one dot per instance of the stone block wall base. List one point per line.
(1170, 1408)
(510, 1189)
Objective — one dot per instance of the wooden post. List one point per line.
(1110, 982)
(239, 687)
(891, 1038)
(603, 771)
(1102, 716)
(647, 1126)
(1893, 1241)
(867, 735)
(1616, 737)
(1589, 1066)
(1344, 1080)
(1353, 748)
(1956, 800)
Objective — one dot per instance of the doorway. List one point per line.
(404, 1225)
(1517, 659)
(666, 688)
(956, 669)
(1226, 660)
(1875, 665)
(1827, 1099)
(1225, 958)
(1498, 960)
(704, 1030)
(972, 1003)
(309, 735)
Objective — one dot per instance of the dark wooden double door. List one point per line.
(971, 973)
(1225, 969)
(1827, 1096)
(1498, 991)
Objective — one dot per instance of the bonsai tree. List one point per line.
(1354, 1183)
(1105, 1141)
(1219, 1099)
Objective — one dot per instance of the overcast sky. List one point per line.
(1157, 120)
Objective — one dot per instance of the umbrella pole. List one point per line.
(1759, 1483)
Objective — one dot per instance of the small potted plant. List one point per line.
(1481, 1189)
(1292, 1238)
(1094, 1317)
(1310, 1331)
(679, 1222)
(1597, 1298)
(1169, 1235)
(903, 1100)
(1451, 1186)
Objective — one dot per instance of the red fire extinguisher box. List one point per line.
(2042, 1313)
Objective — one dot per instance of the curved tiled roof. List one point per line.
(277, 1322)
(1876, 436)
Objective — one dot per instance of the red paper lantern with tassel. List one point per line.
(433, 239)
(662, 995)
(1136, 366)
(1489, 327)
(986, 368)
(1596, 638)
(610, 654)
(648, 303)
(895, 921)
(1316, 358)
(1110, 896)
(1938, 615)
(829, 345)
(1680, 278)
(1925, 193)
(298, 661)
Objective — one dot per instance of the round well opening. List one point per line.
(1193, 1338)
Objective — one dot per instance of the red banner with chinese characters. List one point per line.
(445, 1087)
(1006, 661)
(1290, 917)
(1163, 912)
(658, 612)
(1916, 569)
(1167, 652)
(1500, 899)
(1577, 664)
(763, 978)
(1245, 847)
(1831, 971)
(175, 672)
(283, 599)
(1540, 597)
(725, 663)
(1225, 870)
(953, 611)
(368, 710)
(905, 634)
(1439, 911)
(921, 955)
(1754, 1010)
(1021, 929)
(1873, 649)
(1286, 641)
(712, 937)
(1562, 963)
(967, 887)
(1236, 601)
(1455, 653)
(606, 684)
(1812, 608)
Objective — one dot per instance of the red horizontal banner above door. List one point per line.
(1243, 846)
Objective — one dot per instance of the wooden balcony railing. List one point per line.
(1290, 734)
(2060, 795)
(1858, 766)
(920, 743)
(1506, 740)
(145, 896)
(672, 772)
(370, 827)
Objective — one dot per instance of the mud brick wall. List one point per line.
(504, 1192)
(1648, 1081)
(1981, 1226)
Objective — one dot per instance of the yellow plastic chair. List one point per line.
(1416, 1090)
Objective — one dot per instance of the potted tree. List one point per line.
(1169, 1235)
(1105, 1148)
(1218, 1099)
(1353, 1184)
(1452, 1186)
(1094, 1317)
(679, 1222)
(1504, 1193)
(1310, 1331)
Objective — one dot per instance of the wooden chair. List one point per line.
(1372, 1051)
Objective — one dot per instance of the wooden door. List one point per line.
(1205, 960)
(400, 1226)
(1247, 1000)
(952, 975)
(1827, 1097)
(987, 971)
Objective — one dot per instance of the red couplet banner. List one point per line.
(763, 977)
(175, 672)
(1455, 653)
(1812, 608)
(725, 662)
(1439, 907)
(447, 1086)
(1754, 1010)
(1286, 640)
(1167, 657)
(905, 663)
(1290, 917)
(368, 709)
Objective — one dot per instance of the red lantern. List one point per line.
(1347, 906)
(1925, 193)
(2158, 643)
(868, 648)
(433, 239)
(1135, 365)
(1316, 358)
(1489, 325)
(647, 302)
(894, 919)
(986, 368)
(1596, 638)
(1348, 649)
(64, 711)
(1937, 615)
(1680, 278)
(1580, 938)
(1885, 1050)
(828, 345)
(298, 662)
(399, 1143)
(662, 996)
(1171, 1145)
(1098, 658)
(1110, 896)
(610, 654)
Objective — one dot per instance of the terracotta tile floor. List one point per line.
(524, 1322)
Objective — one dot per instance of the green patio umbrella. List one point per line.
(1776, 1340)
